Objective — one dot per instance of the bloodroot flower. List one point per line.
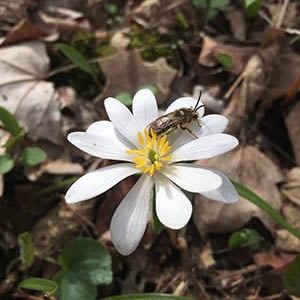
(162, 161)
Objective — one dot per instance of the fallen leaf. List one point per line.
(239, 55)
(293, 127)
(25, 94)
(291, 213)
(59, 225)
(25, 30)
(291, 16)
(291, 188)
(286, 241)
(283, 74)
(157, 13)
(61, 166)
(238, 24)
(127, 72)
(251, 168)
(275, 260)
(245, 98)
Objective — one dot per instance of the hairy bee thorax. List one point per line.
(179, 118)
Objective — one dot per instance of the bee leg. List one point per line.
(190, 131)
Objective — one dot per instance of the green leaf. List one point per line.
(75, 57)
(32, 156)
(266, 207)
(219, 4)
(225, 60)
(47, 286)
(147, 296)
(87, 260)
(125, 98)
(14, 139)
(182, 20)
(85, 264)
(6, 163)
(26, 248)
(111, 8)
(9, 121)
(245, 236)
(55, 187)
(70, 287)
(211, 13)
(291, 277)
(198, 3)
(251, 8)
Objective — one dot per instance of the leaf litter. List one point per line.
(264, 79)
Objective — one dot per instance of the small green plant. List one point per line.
(48, 287)
(225, 60)
(291, 277)
(245, 237)
(251, 8)
(28, 156)
(26, 248)
(213, 7)
(84, 263)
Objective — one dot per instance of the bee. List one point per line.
(179, 118)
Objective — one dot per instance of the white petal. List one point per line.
(122, 119)
(210, 124)
(173, 208)
(98, 182)
(185, 102)
(205, 147)
(107, 147)
(144, 107)
(192, 178)
(129, 221)
(107, 129)
(225, 193)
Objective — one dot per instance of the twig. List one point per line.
(234, 86)
(282, 13)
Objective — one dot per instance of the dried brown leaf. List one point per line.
(269, 258)
(283, 74)
(251, 168)
(158, 13)
(25, 94)
(238, 24)
(59, 225)
(286, 241)
(293, 127)
(127, 72)
(291, 188)
(239, 55)
(25, 30)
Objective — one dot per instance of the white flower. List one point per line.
(162, 161)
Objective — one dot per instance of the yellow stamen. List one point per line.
(152, 153)
(141, 139)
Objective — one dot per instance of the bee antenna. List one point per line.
(198, 100)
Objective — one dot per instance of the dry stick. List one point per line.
(234, 86)
(282, 13)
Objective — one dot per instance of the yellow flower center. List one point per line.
(152, 153)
